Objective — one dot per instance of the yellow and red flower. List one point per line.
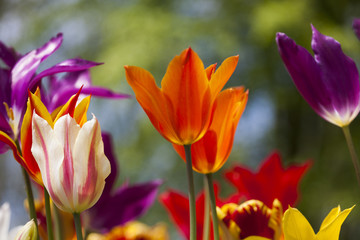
(251, 219)
(35, 104)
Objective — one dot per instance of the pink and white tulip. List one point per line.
(71, 160)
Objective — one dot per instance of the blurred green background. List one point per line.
(149, 34)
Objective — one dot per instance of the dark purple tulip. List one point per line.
(356, 27)
(329, 81)
(119, 206)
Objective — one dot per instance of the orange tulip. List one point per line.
(211, 152)
(34, 104)
(181, 110)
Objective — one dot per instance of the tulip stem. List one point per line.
(191, 192)
(58, 224)
(352, 151)
(29, 193)
(48, 215)
(206, 230)
(30, 198)
(213, 206)
(78, 228)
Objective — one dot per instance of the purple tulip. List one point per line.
(329, 81)
(119, 206)
(19, 75)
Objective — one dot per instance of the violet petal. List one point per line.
(5, 90)
(339, 73)
(69, 65)
(26, 67)
(304, 71)
(109, 153)
(8, 55)
(125, 205)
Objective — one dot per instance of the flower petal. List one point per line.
(27, 232)
(8, 141)
(81, 110)
(8, 55)
(330, 217)
(330, 228)
(62, 89)
(49, 155)
(178, 207)
(88, 151)
(340, 75)
(109, 153)
(296, 227)
(126, 204)
(305, 73)
(151, 98)
(222, 74)
(26, 67)
(186, 86)
(34, 103)
(69, 107)
(5, 91)
(69, 65)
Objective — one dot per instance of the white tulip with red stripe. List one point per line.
(71, 160)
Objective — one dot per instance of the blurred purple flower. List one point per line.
(61, 89)
(126, 203)
(356, 27)
(329, 81)
(19, 75)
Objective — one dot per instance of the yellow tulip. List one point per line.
(296, 227)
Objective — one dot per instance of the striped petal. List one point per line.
(49, 155)
(89, 181)
(72, 161)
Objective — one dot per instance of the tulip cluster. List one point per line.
(43, 120)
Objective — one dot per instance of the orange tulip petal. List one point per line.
(81, 110)
(34, 102)
(152, 101)
(222, 75)
(205, 153)
(69, 106)
(230, 104)
(211, 152)
(210, 70)
(41, 110)
(185, 84)
(6, 139)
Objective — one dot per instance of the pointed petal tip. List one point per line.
(280, 35)
(283, 41)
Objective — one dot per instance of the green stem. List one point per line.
(58, 224)
(29, 193)
(48, 215)
(352, 151)
(206, 229)
(30, 198)
(191, 192)
(213, 206)
(78, 226)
